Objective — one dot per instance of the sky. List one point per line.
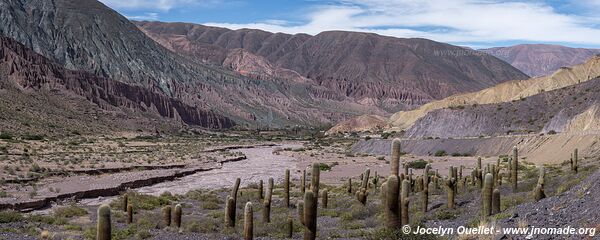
(472, 23)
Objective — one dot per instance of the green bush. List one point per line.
(5, 136)
(417, 164)
(440, 153)
(10, 216)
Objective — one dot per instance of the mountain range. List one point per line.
(219, 78)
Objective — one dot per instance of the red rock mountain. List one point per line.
(542, 59)
(391, 73)
(24, 72)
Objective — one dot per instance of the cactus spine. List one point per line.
(267, 202)
(324, 196)
(496, 201)
(286, 189)
(395, 162)
(310, 216)
(405, 202)
(514, 168)
(129, 214)
(177, 217)
(166, 211)
(486, 195)
(248, 222)
(230, 212)
(103, 228)
(539, 189)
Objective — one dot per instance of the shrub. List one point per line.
(417, 164)
(10, 216)
(440, 153)
(5, 136)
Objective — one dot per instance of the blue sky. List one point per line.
(473, 23)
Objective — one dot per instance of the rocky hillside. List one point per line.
(505, 92)
(570, 109)
(384, 72)
(25, 74)
(542, 59)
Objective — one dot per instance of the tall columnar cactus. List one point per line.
(230, 212)
(575, 160)
(248, 222)
(406, 170)
(301, 212)
(125, 202)
(479, 162)
(260, 190)
(290, 227)
(166, 211)
(267, 202)
(286, 189)
(486, 195)
(349, 185)
(103, 228)
(514, 169)
(450, 183)
(479, 176)
(365, 181)
(493, 172)
(424, 199)
(325, 198)
(390, 193)
(496, 201)
(303, 182)
(177, 217)
(395, 162)
(539, 189)
(316, 173)
(404, 198)
(375, 180)
(310, 215)
(234, 190)
(129, 214)
(460, 171)
(361, 195)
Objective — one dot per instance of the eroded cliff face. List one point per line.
(31, 71)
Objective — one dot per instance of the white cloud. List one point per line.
(146, 16)
(460, 21)
(162, 5)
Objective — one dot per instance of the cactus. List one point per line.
(286, 189)
(166, 211)
(486, 195)
(103, 228)
(303, 182)
(129, 214)
(310, 215)
(324, 196)
(575, 160)
(405, 202)
(450, 186)
(260, 190)
(365, 180)
(375, 180)
(290, 227)
(230, 212)
(395, 162)
(177, 217)
(267, 202)
(424, 199)
(125, 202)
(496, 201)
(539, 189)
(361, 195)
(405, 169)
(316, 172)
(514, 169)
(390, 193)
(235, 188)
(479, 162)
(248, 222)
(301, 212)
(349, 185)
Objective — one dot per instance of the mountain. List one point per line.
(378, 71)
(541, 59)
(251, 77)
(505, 92)
(37, 94)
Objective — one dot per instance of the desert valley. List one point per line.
(119, 128)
